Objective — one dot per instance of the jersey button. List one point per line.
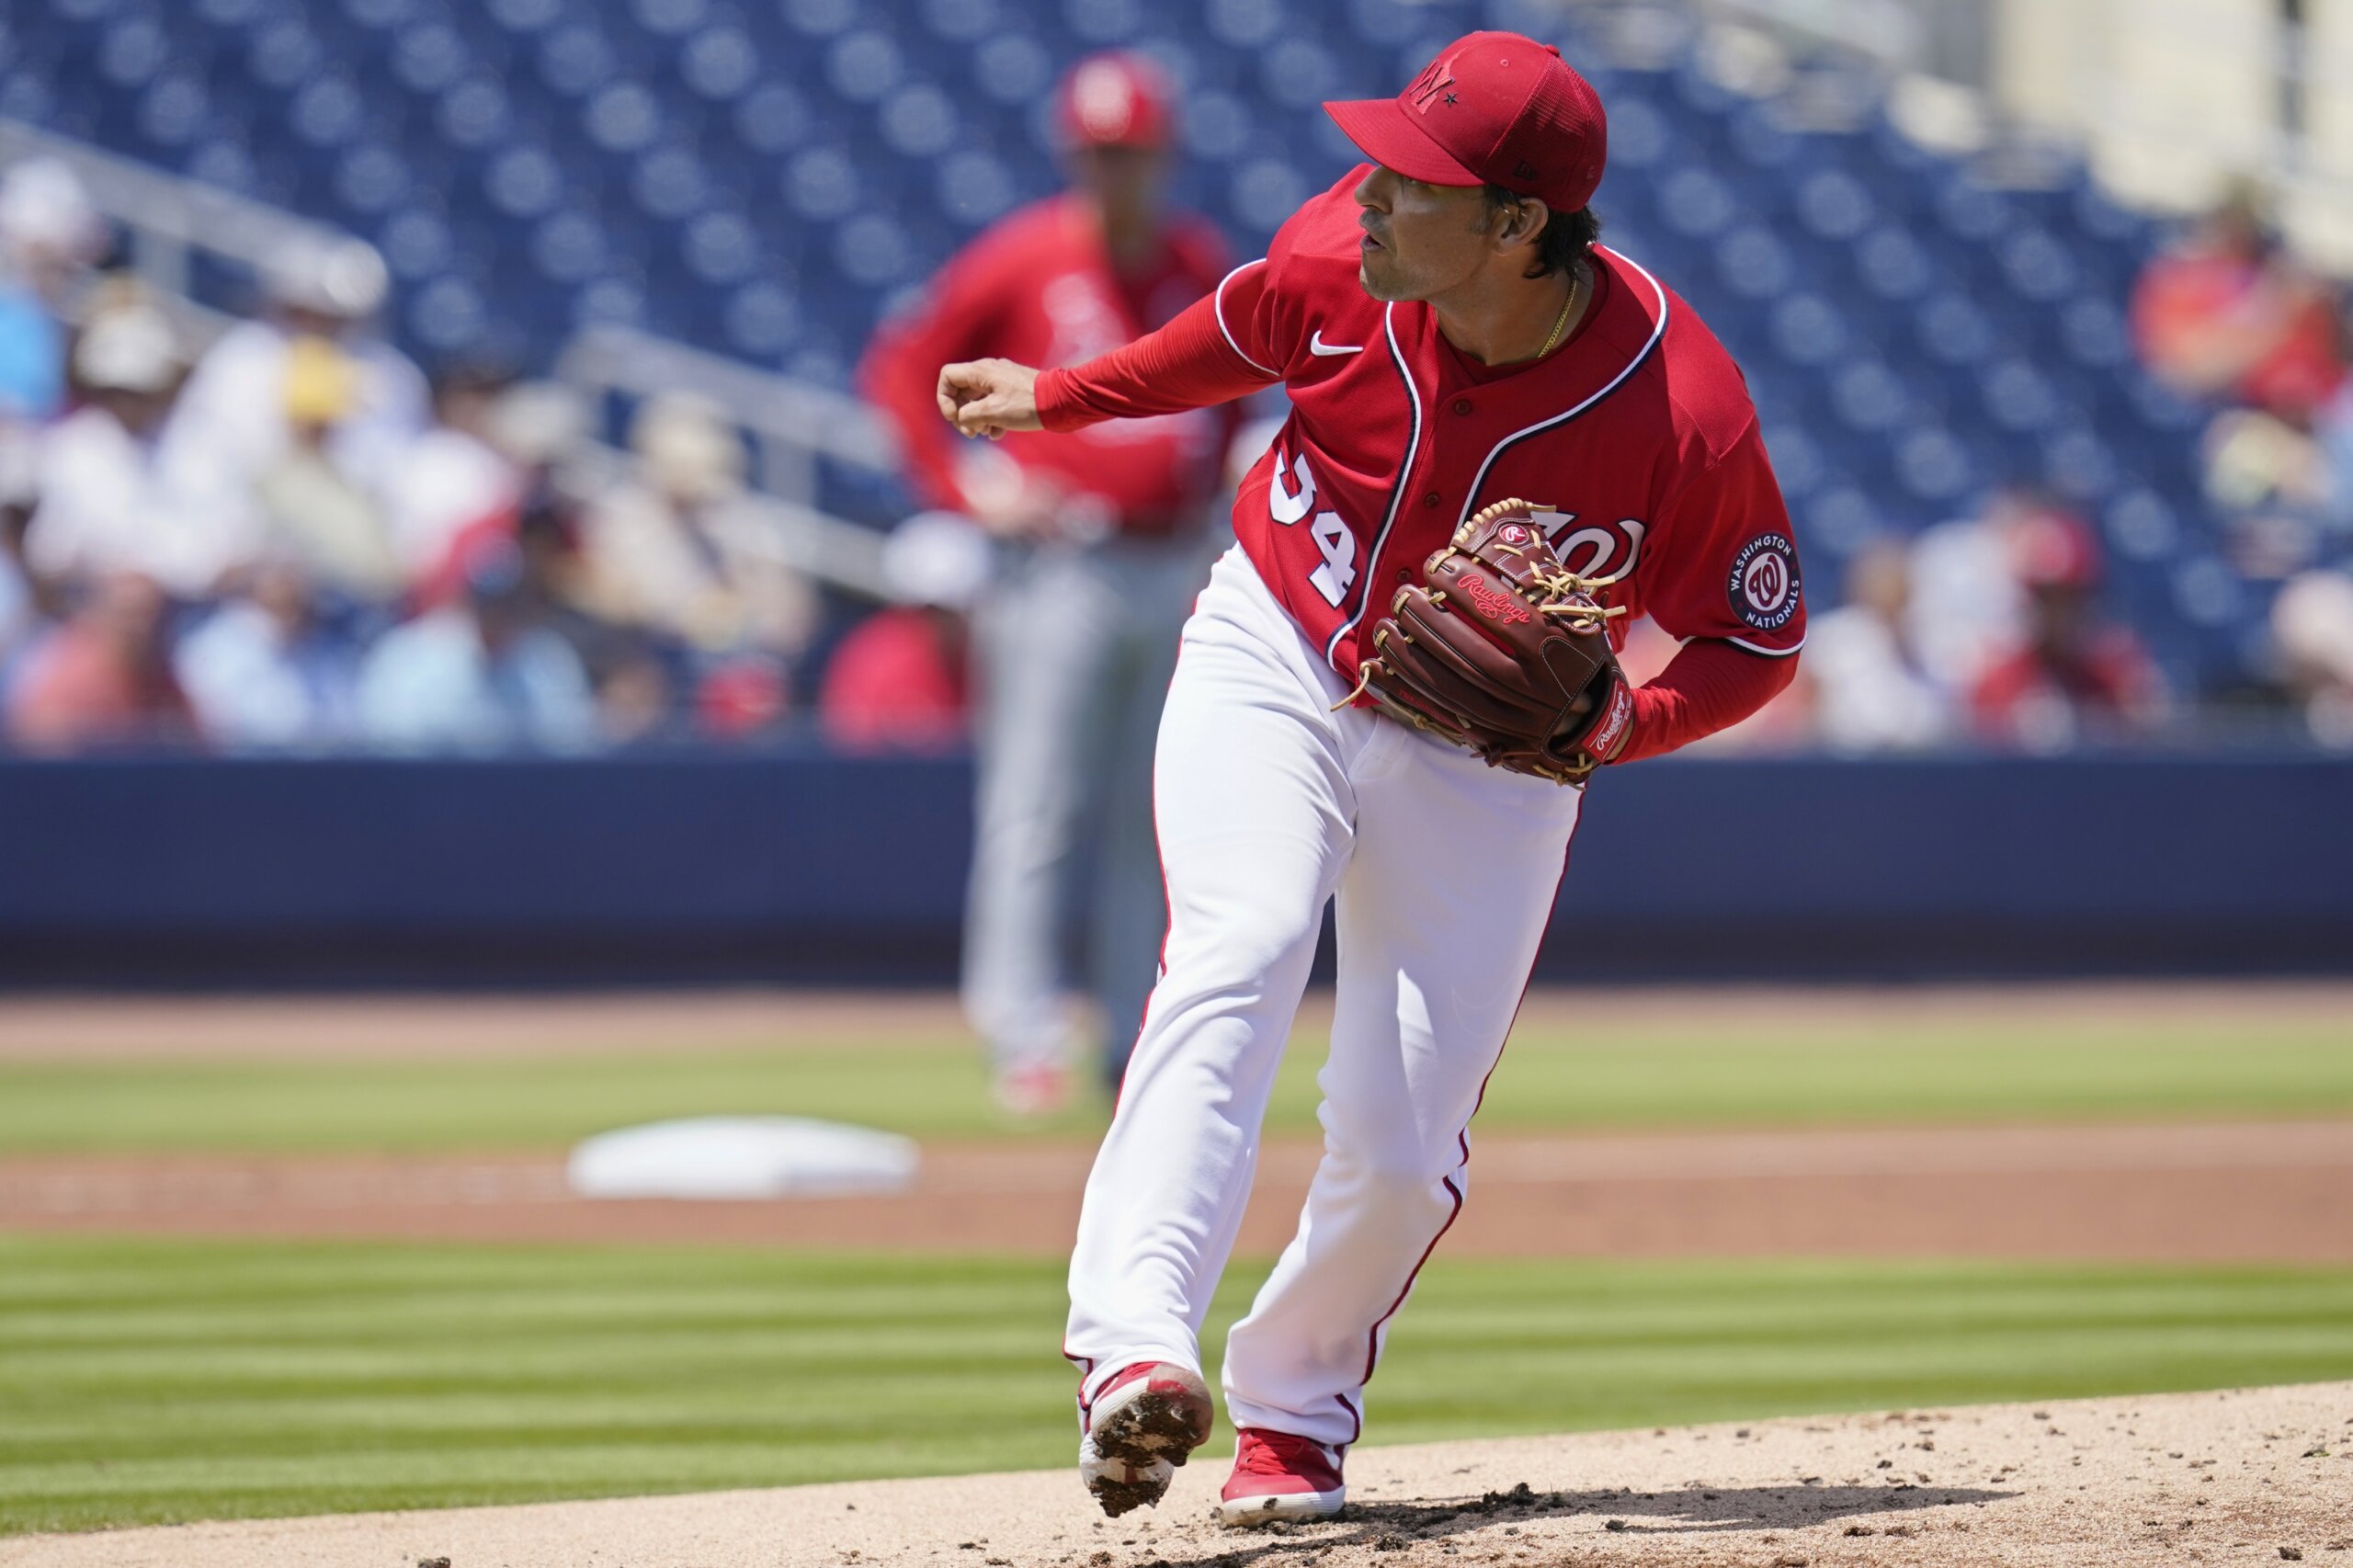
(1404, 575)
(1461, 405)
(1430, 499)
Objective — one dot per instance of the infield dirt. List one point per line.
(2264, 1192)
(2225, 1191)
(2240, 1477)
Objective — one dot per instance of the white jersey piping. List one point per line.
(1470, 499)
(1218, 307)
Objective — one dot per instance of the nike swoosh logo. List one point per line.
(1315, 345)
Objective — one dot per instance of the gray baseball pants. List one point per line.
(1075, 644)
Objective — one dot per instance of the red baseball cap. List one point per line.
(1115, 99)
(1492, 107)
(2051, 549)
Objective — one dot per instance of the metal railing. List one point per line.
(167, 217)
(816, 544)
(793, 423)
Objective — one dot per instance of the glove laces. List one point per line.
(1572, 598)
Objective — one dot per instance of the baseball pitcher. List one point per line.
(1505, 442)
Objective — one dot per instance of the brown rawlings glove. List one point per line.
(1503, 651)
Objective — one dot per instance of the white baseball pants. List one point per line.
(1444, 870)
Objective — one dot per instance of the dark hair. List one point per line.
(1567, 238)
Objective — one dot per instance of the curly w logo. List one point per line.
(1431, 83)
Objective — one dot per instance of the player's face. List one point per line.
(1420, 241)
(1124, 181)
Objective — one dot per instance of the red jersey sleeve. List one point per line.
(1240, 339)
(957, 319)
(1724, 561)
(1724, 578)
(1706, 687)
(1195, 361)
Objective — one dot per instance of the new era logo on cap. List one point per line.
(1493, 106)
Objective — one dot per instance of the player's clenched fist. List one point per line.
(989, 397)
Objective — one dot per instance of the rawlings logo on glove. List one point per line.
(1492, 602)
(1502, 650)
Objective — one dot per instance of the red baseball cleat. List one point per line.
(1277, 1476)
(1143, 1424)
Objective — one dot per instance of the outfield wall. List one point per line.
(823, 870)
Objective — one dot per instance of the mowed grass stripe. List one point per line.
(1647, 1075)
(307, 1377)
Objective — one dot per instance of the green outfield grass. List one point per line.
(1781, 1072)
(146, 1381)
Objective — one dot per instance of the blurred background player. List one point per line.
(1103, 541)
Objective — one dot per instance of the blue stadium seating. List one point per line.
(765, 178)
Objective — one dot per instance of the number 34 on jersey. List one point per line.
(1589, 551)
(1334, 540)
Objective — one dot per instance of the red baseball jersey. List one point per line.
(1639, 431)
(1039, 287)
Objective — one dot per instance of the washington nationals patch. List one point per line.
(1763, 587)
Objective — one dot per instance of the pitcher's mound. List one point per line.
(2248, 1476)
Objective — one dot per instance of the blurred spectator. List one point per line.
(645, 560)
(101, 679)
(50, 236)
(634, 686)
(677, 551)
(2312, 625)
(742, 696)
(113, 498)
(1870, 689)
(2070, 675)
(1967, 607)
(898, 682)
(2226, 312)
(20, 608)
(455, 475)
(536, 425)
(634, 695)
(311, 510)
(2253, 458)
(234, 408)
(263, 673)
(479, 675)
(2333, 433)
(496, 461)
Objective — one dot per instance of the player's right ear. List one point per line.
(1524, 223)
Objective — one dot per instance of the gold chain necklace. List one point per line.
(1561, 321)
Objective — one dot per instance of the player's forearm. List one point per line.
(1186, 364)
(1707, 687)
